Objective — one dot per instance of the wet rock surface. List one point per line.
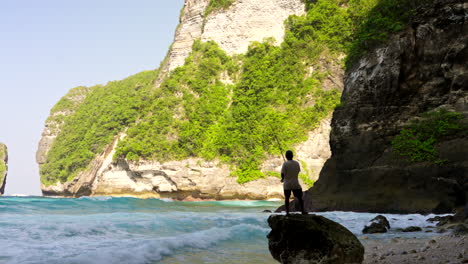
(312, 239)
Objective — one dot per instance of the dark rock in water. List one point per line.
(444, 221)
(374, 228)
(266, 211)
(412, 229)
(382, 220)
(460, 230)
(312, 239)
(440, 218)
(379, 224)
(421, 68)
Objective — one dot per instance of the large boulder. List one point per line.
(312, 239)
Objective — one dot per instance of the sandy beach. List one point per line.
(434, 250)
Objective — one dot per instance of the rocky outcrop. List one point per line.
(65, 107)
(3, 167)
(233, 29)
(420, 69)
(312, 239)
(378, 224)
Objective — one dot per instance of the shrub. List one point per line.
(418, 139)
(214, 5)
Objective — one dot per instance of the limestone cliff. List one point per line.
(3, 167)
(233, 29)
(420, 69)
(188, 179)
(66, 106)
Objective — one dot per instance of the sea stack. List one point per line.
(3, 167)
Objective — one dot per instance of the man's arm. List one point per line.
(282, 177)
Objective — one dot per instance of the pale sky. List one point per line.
(50, 46)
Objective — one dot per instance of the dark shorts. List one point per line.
(297, 193)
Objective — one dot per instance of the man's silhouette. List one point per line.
(289, 178)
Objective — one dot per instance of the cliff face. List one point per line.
(233, 28)
(187, 179)
(3, 167)
(194, 178)
(420, 69)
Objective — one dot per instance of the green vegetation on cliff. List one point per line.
(417, 141)
(2, 163)
(195, 115)
(226, 108)
(214, 5)
(67, 104)
(182, 112)
(105, 112)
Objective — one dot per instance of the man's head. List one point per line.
(289, 155)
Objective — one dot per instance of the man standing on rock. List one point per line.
(289, 178)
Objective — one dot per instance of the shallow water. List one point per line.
(129, 230)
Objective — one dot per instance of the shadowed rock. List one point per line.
(312, 239)
(379, 224)
(411, 229)
(420, 69)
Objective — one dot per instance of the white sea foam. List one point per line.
(96, 198)
(129, 250)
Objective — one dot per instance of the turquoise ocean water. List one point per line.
(129, 230)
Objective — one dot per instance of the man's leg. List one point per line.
(287, 194)
(298, 194)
